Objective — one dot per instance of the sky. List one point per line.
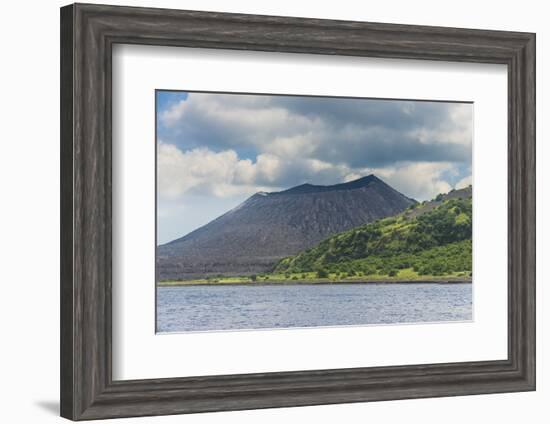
(215, 150)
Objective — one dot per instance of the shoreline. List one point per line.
(448, 280)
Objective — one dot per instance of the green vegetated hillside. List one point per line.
(429, 239)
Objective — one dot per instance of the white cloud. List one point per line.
(464, 182)
(239, 120)
(419, 180)
(221, 174)
(202, 171)
(268, 167)
(455, 129)
(303, 145)
(365, 132)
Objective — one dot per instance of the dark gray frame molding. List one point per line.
(88, 33)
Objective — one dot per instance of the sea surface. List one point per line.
(240, 307)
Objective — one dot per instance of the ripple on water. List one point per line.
(214, 308)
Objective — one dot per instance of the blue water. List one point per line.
(208, 308)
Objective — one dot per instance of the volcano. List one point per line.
(252, 237)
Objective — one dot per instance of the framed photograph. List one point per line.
(263, 211)
(237, 248)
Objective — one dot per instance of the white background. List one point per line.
(29, 173)
(138, 70)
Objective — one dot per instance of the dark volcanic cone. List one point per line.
(252, 237)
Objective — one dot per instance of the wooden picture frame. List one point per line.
(88, 33)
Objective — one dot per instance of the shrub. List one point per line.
(322, 273)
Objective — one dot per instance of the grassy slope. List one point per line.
(436, 241)
(404, 276)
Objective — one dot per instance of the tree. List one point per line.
(322, 273)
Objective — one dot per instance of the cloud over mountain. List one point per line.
(227, 145)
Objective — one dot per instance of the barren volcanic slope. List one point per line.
(252, 237)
